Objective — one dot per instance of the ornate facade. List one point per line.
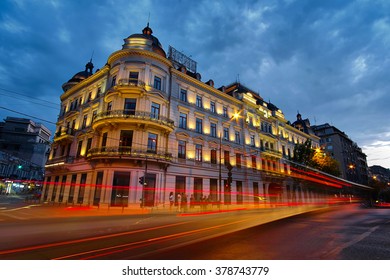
(145, 125)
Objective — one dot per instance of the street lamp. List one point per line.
(235, 116)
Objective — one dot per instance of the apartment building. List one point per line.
(146, 125)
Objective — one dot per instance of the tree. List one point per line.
(304, 154)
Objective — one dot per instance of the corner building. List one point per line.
(145, 125)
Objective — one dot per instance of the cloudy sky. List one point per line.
(329, 60)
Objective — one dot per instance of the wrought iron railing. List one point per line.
(125, 151)
(136, 115)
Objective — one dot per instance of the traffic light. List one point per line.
(20, 166)
(141, 180)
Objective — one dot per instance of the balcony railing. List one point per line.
(271, 151)
(60, 160)
(131, 82)
(129, 152)
(135, 115)
(66, 135)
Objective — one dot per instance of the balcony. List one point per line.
(123, 152)
(131, 116)
(64, 135)
(271, 152)
(59, 163)
(127, 86)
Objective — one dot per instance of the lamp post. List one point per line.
(236, 115)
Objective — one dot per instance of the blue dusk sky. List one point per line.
(329, 60)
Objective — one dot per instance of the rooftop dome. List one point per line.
(80, 76)
(145, 41)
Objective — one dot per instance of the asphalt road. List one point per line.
(343, 232)
(346, 233)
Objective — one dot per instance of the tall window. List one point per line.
(113, 81)
(94, 114)
(157, 83)
(199, 101)
(80, 145)
(237, 137)
(212, 106)
(183, 95)
(155, 111)
(71, 188)
(133, 78)
(183, 121)
(152, 143)
(254, 164)
(104, 141)
(89, 145)
(199, 125)
(213, 130)
(226, 157)
(83, 180)
(84, 124)
(225, 114)
(198, 152)
(238, 160)
(213, 156)
(226, 133)
(109, 106)
(126, 139)
(130, 105)
(252, 140)
(181, 149)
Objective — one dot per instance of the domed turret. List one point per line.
(145, 41)
(78, 77)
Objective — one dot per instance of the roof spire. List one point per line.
(147, 30)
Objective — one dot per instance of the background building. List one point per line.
(353, 162)
(24, 148)
(145, 125)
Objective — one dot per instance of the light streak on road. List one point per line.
(129, 246)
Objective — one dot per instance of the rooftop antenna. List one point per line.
(93, 51)
(238, 78)
(148, 19)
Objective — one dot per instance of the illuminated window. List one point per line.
(152, 143)
(238, 160)
(254, 163)
(213, 156)
(198, 152)
(226, 157)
